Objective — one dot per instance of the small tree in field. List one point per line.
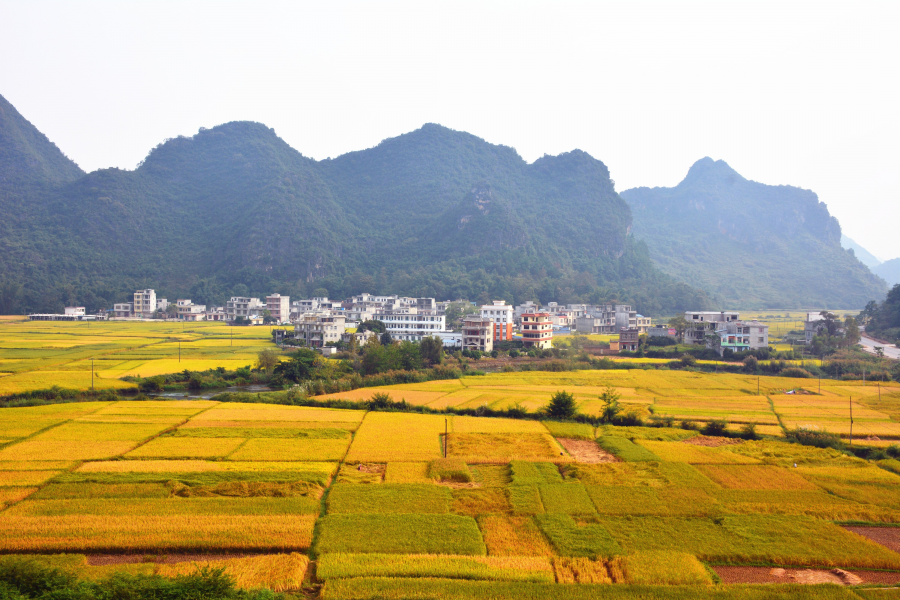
(562, 406)
(267, 359)
(611, 407)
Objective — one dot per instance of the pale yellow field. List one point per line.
(40, 354)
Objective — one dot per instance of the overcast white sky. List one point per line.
(797, 93)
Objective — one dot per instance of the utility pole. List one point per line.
(446, 431)
(179, 350)
(851, 420)
(92, 374)
(757, 385)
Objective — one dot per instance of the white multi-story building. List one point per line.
(478, 333)
(162, 304)
(702, 324)
(739, 336)
(240, 306)
(412, 323)
(279, 307)
(75, 311)
(318, 329)
(527, 307)
(311, 305)
(501, 314)
(814, 324)
(537, 331)
(643, 323)
(144, 303)
(605, 318)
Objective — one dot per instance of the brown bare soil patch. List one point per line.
(711, 441)
(889, 537)
(805, 576)
(99, 560)
(586, 451)
(371, 468)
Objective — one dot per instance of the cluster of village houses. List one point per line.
(321, 323)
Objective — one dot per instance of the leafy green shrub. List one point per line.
(796, 372)
(24, 578)
(748, 432)
(716, 427)
(562, 406)
(815, 437)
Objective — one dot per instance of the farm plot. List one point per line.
(384, 437)
(388, 498)
(735, 409)
(504, 447)
(183, 447)
(278, 572)
(315, 449)
(489, 568)
(689, 453)
(83, 533)
(234, 411)
(793, 540)
(399, 534)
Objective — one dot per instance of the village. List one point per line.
(328, 325)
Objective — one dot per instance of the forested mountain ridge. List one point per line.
(27, 156)
(235, 210)
(751, 245)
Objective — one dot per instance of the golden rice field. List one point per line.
(683, 396)
(41, 354)
(362, 504)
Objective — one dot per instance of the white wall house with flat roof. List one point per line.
(145, 303)
(412, 323)
(279, 307)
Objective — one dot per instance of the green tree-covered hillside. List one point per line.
(235, 210)
(750, 245)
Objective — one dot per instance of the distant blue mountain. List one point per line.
(864, 256)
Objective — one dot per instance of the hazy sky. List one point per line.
(796, 93)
